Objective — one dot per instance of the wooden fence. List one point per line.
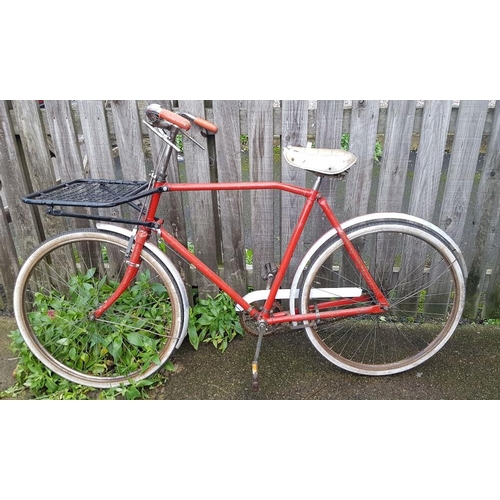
(440, 160)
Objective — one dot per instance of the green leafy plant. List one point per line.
(248, 256)
(99, 350)
(32, 375)
(378, 151)
(244, 142)
(493, 321)
(179, 142)
(344, 142)
(114, 349)
(214, 320)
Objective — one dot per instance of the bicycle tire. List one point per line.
(62, 283)
(420, 276)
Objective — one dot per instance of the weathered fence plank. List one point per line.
(394, 164)
(202, 211)
(68, 163)
(294, 133)
(96, 139)
(486, 233)
(328, 135)
(491, 308)
(392, 180)
(427, 172)
(9, 263)
(98, 147)
(14, 185)
(37, 157)
(462, 168)
(129, 139)
(227, 142)
(261, 156)
(459, 181)
(362, 143)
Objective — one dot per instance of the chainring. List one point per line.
(249, 324)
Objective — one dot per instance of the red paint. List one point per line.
(130, 273)
(343, 313)
(239, 186)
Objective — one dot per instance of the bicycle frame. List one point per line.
(311, 196)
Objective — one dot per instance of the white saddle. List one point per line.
(322, 161)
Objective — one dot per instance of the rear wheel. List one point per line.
(65, 280)
(419, 275)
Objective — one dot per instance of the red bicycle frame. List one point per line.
(311, 196)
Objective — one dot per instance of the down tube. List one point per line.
(206, 271)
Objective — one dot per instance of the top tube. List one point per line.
(239, 186)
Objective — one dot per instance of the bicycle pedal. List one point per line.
(270, 270)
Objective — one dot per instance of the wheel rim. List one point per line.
(62, 284)
(423, 283)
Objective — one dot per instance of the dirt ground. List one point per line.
(467, 368)
(7, 360)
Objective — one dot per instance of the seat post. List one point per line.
(317, 182)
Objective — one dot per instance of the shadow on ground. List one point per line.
(467, 368)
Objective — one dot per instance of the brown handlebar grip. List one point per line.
(211, 127)
(175, 119)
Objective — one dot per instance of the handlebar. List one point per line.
(156, 114)
(174, 118)
(211, 127)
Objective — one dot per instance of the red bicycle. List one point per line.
(104, 306)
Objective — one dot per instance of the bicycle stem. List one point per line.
(161, 173)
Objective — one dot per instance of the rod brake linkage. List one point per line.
(163, 136)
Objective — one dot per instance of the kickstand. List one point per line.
(255, 364)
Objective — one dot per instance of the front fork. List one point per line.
(133, 264)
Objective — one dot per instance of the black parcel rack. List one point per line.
(93, 193)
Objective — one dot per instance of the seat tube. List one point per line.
(292, 245)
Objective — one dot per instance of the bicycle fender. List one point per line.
(374, 217)
(417, 221)
(169, 265)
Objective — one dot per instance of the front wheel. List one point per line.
(418, 274)
(66, 279)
